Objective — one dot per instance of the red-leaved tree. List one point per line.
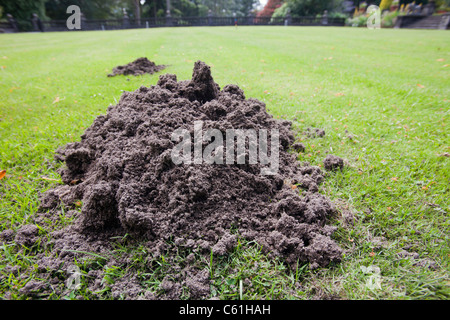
(269, 8)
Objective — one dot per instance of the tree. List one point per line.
(92, 9)
(269, 8)
(248, 6)
(22, 11)
(137, 11)
(113, 9)
(310, 7)
(228, 7)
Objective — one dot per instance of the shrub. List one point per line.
(388, 19)
(357, 21)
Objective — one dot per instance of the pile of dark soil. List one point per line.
(138, 67)
(122, 175)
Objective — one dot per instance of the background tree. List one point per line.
(92, 9)
(309, 7)
(137, 11)
(228, 7)
(22, 11)
(270, 7)
(248, 6)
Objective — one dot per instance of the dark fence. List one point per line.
(116, 24)
(6, 27)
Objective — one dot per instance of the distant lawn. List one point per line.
(382, 96)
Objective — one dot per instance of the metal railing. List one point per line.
(117, 24)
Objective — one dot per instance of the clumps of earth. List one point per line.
(138, 67)
(122, 176)
(314, 132)
(333, 163)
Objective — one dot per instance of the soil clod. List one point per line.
(138, 67)
(333, 163)
(314, 132)
(298, 146)
(27, 235)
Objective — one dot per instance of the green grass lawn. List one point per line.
(382, 96)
